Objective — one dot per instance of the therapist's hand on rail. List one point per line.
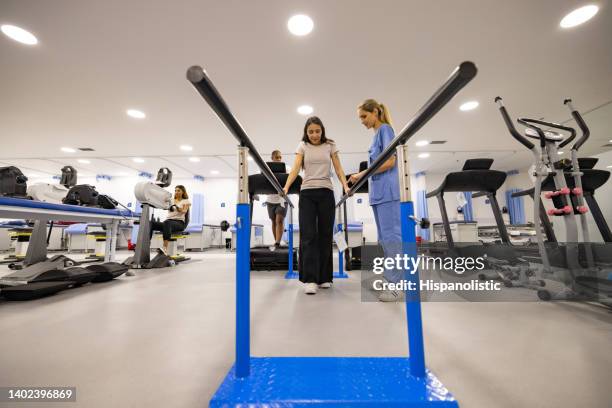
(355, 177)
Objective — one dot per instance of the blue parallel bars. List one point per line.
(243, 284)
(236, 388)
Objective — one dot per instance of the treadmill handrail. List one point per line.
(460, 77)
(581, 123)
(571, 131)
(510, 125)
(204, 85)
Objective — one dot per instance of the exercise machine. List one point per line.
(502, 260)
(54, 193)
(262, 258)
(573, 263)
(151, 195)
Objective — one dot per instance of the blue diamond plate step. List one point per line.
(284, 382)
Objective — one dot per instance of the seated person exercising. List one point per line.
(276, 209)
(175, 220)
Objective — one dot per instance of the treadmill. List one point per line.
(262, 258)
(477, 176)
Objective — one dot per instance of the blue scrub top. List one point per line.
(383, 187)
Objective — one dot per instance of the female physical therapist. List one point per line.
(383, 188)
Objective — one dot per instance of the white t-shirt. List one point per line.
(317, 164)
(176, 215)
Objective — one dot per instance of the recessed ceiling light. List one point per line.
(19, 34)
(68, 150)
(424, 155)
(194, 159)
(610, 140)
(136, 114)
(305, 110)
(138, 160)
(468, 106)
(214, 172)
(300, 25)
(560, 152)
(579, 16)
(422, 143)
(83, 161)
(609, 167)
(186, 148)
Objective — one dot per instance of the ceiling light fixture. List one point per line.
(300, 25)
(214, 172)
(560, 152)
(424, 155)
(186, 148)
(421, 143)
(136, 114)
(138, 160)
(468, 106)
(83, 161)
(194, 159)
(579, 16)
(68, 150)
(19, 34)
(305, 110)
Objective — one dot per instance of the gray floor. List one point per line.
(165, 338)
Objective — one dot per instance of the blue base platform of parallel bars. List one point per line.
(337, 275)
(331, 382)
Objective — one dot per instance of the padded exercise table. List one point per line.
(41, 212)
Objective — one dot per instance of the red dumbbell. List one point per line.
(582, 209)
(564, 191)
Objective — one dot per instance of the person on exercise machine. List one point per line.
(175, 220)
(276, 209)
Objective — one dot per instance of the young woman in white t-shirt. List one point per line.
(315, 155)
(175, 220)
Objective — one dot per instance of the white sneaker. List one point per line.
(272, 248)
(325, 285)
(390, 296)
(310, 288)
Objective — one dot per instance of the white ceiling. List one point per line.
(96, 59)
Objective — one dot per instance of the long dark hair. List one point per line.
(184, 190)
(314, 120)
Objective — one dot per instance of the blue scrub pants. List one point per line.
(388, 226)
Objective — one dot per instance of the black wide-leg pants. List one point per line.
(316, 216)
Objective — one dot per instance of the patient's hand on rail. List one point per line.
(286, 190)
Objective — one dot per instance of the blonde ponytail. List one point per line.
(369, 105)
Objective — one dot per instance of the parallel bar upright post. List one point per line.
(413, 297)
(290, 240)
(340, 254)
(243, 249)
